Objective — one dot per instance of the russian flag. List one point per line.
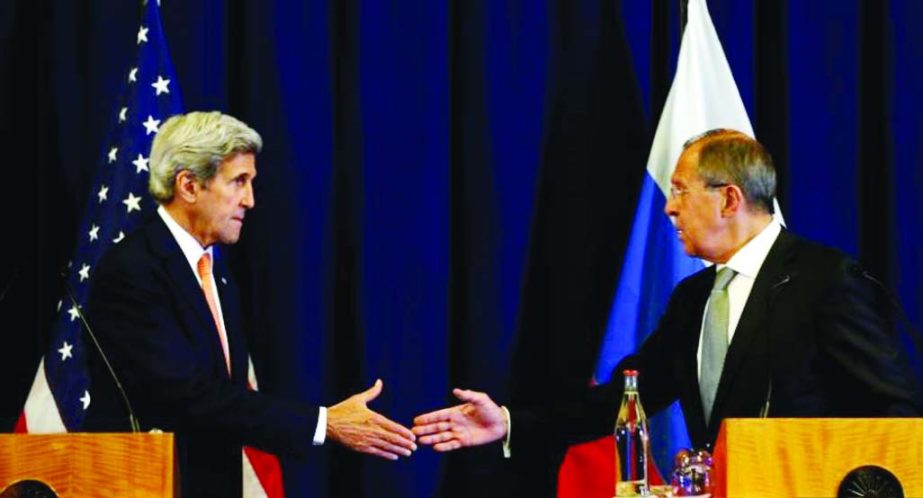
(703, 96)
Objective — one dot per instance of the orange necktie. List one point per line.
(208, 288)
(266, 479)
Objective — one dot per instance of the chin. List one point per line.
(230, 239)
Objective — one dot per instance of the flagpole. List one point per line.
(771, 88)
(660, 50)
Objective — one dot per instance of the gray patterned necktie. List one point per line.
(715, 339)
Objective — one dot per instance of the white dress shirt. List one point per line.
(747, 263)
(193, 251)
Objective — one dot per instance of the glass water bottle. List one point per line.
(631, 442)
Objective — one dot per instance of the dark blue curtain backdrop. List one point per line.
(447, 186)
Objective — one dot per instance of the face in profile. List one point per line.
(224, 200)
(696, 209)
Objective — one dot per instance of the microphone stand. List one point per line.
(135, 427)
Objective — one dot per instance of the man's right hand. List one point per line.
(477, 421)
(352, 424)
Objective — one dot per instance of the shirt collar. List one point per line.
(191, 248)
(749, 259)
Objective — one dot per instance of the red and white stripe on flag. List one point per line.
(262, 474)
(261, 471)
(40, 414)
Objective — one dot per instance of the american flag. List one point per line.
(62, 390)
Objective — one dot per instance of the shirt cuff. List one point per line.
(320, 433)
(509, 430)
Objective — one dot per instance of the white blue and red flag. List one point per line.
(703, 96)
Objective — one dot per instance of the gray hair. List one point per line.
(196, 142)
(729, 157)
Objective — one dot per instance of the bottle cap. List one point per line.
(630, 373)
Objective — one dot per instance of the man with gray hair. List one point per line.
(778, 326)
(167, 312)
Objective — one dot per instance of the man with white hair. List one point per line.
(167, 313)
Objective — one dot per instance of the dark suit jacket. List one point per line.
(815, 339)
(153, 321)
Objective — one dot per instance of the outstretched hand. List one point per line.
(477, 421)
(352, 424)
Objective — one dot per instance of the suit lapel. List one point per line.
(772, 276)
(177, 267)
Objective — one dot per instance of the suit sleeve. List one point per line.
(591, 413)
(858, 334)
(134, 313)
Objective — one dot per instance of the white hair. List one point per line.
(196, 142)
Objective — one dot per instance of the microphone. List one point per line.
(913, 333)
(767, 401)
(892, 300)
(9, 284)
(133, 421)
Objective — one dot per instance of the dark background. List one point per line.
(447, 186)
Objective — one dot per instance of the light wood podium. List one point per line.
(810, 457)
(79, 465)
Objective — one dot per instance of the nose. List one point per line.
(249, 200)
(670, 207)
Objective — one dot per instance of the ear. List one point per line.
(186, 187)
(734, 201)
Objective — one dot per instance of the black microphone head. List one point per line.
(857, 270)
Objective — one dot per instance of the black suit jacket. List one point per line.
(815, 339)
(154, 323)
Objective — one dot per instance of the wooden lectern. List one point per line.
(91, 465)
(810, 457)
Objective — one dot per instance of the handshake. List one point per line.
(476, 421)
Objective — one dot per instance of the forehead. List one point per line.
(240, 163)
(687, 166)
